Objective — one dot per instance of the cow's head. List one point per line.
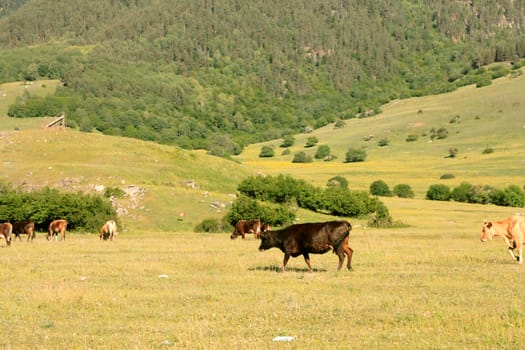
(265, 228)
(487, 231)
(266, 237)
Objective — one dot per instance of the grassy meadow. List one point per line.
(430, 285)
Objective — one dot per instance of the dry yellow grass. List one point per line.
(432, 285)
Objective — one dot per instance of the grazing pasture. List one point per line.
(431, 286)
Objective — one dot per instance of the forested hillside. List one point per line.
(220, 74)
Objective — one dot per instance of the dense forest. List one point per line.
(220, 74)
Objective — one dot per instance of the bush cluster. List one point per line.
(334, 200)
(511, 196)
(82, 211)
(380, 188)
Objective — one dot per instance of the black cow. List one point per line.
(315, 238)
(26, 227)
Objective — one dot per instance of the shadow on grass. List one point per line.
(275, 268)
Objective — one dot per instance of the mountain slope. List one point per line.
(219, 75)
(475, 119)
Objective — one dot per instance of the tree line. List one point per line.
(220, 74)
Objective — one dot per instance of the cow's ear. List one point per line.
(489, 224)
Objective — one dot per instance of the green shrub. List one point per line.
(337, 181)
(381, 217)
(512, 196)
(323, 151)
(403, 191)
(210, 225)
(438, 192)
(355, 155)
(380, 188)
(411, 138)
(439, 134)
(288, 141)
(468, 193)
(266, 152)
(339, 124)
(383, 142)
(311, 141)
(452, 153)
(447, 176)
(488, 150)
(302, 157)
(340, 201)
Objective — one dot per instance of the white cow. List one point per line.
(109, 230)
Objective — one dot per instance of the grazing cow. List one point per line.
(26, 227)
(5, 230)
(109, 230)
(512, 230)
(315, 238)
(243, 227)
(57, 227)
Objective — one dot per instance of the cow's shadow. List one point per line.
(275, 268)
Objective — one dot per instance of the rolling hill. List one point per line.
(165, 181)
(475, 118)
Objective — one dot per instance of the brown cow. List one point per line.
(57, 227)
(315, 238)
(243, 227)
(24, 227)
(511, 230)
(109, 230)
(5, 230)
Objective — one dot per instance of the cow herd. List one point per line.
(320, 237)
(57, 230)
(294, 240)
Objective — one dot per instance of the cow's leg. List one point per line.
(307, 261)
(349, 252)
(520, 251)
(511, 252)
(285, 261)
(511, 247)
